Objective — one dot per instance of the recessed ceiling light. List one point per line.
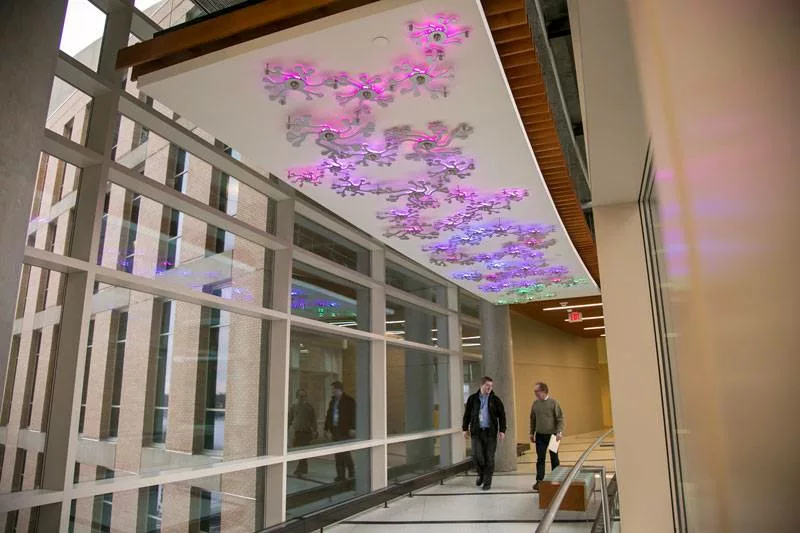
(380, 41)
(568, 307)
(595, 327)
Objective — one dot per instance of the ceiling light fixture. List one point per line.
(586, 318)
(595, 327)
(568, 307)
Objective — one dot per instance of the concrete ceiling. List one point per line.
(503, 196)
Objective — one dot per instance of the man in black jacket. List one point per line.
(340, 422)
(485, 420)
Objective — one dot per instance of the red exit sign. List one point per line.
(575, 316)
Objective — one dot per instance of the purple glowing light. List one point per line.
(280, 82)
(340, 142)
(412, 78)
(367, 155)
(365, 90)
(446, 169)
(434, 36)
(348, 186)
(310, 176)
(429, 146)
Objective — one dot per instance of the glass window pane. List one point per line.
(404, 279)
(319, 240)
(69, 111)
(225, 502)
(168, 164)
(407, 460)
(417, 391)
(156, 394)
(329, 389)
(30, 373)
(83, 30)
(169, 14)
(473, 372)
(53, 209)
(471, 339)
(148, 239)
(20, 520)
(327, 298)
(404, 321)
(321, 486)
(469, 305)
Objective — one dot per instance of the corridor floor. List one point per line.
(460, 506)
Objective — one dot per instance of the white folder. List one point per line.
(554, 442)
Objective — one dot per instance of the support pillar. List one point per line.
(32, 30)
(498, 363)
(639, 429)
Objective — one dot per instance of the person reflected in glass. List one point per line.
(303, 419)
(340, 422)
(485, 421)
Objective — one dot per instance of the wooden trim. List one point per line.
(516, 48)
(216, 33)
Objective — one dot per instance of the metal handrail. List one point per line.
(547, 520)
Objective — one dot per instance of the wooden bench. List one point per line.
(578, 493)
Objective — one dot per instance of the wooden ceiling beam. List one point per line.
(497, 7)
(508, 20)
(508, 35)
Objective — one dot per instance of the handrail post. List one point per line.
(547, 520)
(605, 504)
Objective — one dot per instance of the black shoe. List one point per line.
(536, 487)
(479, 482)
(487, 485)
(339, 479)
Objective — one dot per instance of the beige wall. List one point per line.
(722, 104)
(568, 364)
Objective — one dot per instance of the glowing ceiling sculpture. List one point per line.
(434, 203)
(436, 35)
(280, 82)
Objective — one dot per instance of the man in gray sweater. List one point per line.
(547, 420)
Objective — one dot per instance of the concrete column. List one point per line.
(32, 31)
(642, 465)
(498, 363)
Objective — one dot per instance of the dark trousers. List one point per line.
(484, 444)
(542, 441)
(302, 438)
(344, 460)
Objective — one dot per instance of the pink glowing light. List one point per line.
(429, 146)
(445, 169)
(413, 78)
(435, 35)
(311, 176)
(364, 90)
(339, 142)
(280, 82)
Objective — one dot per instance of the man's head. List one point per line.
(301, 395)
(541, 391)
(338, 389)
(486, 385)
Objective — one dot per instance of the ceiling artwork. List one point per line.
(454, 187)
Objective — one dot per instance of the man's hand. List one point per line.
(466, 434)
(502, 436)
(558, 436)
(533, 439)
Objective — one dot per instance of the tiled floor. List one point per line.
(460, 506)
